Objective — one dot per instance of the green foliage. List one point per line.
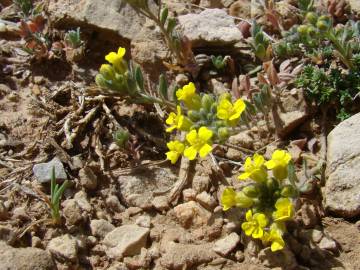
(306, 5)
(25, 6)
(56, 194)
(219, 62)
(121, 137)
(260, 42)
(330, 87)
(73, 38)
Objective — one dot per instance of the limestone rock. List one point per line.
(226, 245)
(42, 171)
(181, 256)
(64, 247)
(342, 188)
(192, 214)
(126, 240)
(101, 227)
(107, 15)
(87, 178)
(355, 6)
(293, 112)
(138, 189)
(25, 258)
(241, 8)
(211, 27)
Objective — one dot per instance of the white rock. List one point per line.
(226, 245)
(100, 227)
(138, 189)
(210, 27)
(126, 240)
(206, 200)
(25, 258)
(64, 247)
(143, 221)
(192, 214)
(342, 188)
(43, 171)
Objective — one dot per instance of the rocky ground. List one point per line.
(132, 210)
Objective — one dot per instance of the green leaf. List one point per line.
(53, 182)
(163, 88)
(250, 108)
(139, 78)
(164, 15)
(292, 174)
(59, 193)
(171, 25)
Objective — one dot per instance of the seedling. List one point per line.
(55, 197)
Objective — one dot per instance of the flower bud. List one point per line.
(225, 96)
(194, 115)
(311, 17)
(206, 102)
(251, 191)
(100, 81)
(242, 200)
(107, 71)
(311, 30)
(223, 133)
(302, 29)
(288, 191)
(323, 23)
(272, 184)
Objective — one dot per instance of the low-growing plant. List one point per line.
(331, 88)
(269, 198)
(260, 43)
(121, 78)
(55, 197)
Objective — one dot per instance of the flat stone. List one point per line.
(342, 188)
(211, 27)
(226, 245)
(184, 256)
(43, 171)
(192, 214)
(100, 227)
(25, 258)
(106, 15)
(126, 240)
(140, 189)
(328, 244)
(64, 247)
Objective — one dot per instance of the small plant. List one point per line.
(219, 62)
(260, 43)
(127, 81)
(55, 197)
(73, 39)
(330, 88)
(269, 198)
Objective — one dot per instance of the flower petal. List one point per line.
(205, 133)
(261, 219)
(190, 153)
(205, 150)
(191, 137)
(121, 52)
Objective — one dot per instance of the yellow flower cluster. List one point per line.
(204, 120)
(269, 198)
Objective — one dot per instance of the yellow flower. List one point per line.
(199, 142)
(284, 209)
(254, 169)
(228, 111)
(176, 149)
(230, 198)
(254, 224)
(275, 237)
(116, 58)
(188, 96)
(278, 164)
(178, 121)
